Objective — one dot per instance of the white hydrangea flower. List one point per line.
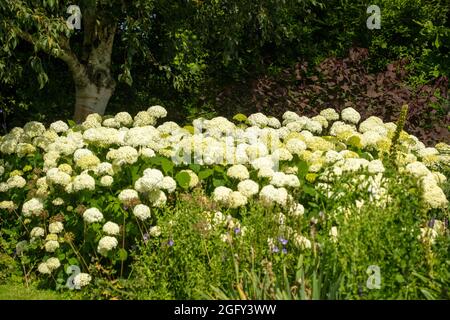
(23, 149)
(59, 126)
(290, 116)
(273, 122)
(439, 177)
(282, 154)
(435, 197)
(425, 152)
(94, 117)
(370, 139)
(171, 127)
(376, 166)
(295, 146)
(124, 118)
(58, 177)
(147, 153)
(142, 212)
(350, 115)
(111, 123)
(123, 155)
(55, 227)
(332, 156)
(417, 169)
(271, 195)
(296, 126)
(51, 245)
(53, 263)
(7, 205)
(157, 112)
(266, 172)
(145, 136)
(33, 206)
(144, 118)
(291, 180)
(258, 120)
(106, 181)
(128, 195)
(155, 231)
(43, 268)
(322, 120)
(237, 199)
(278, 179)
(106, 244)
(33, 129)
(238, 172)
(313, 126)
(79, 153)
(222, 194)
(81, 280)
(92, 215)
(370, 123)
(16, 182)
(263, 162)
(58, 202)
(354, 164)
(168, 184)
(111, 228)
(297, 210)
(37, 232)
(330, 114)
(248, 188)
(339, 129)
(151, 180)
(257, 150)
(83, 182)
(104, 168)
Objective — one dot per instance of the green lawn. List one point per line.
(20, 292)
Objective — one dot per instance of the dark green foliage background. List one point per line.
(199, 49)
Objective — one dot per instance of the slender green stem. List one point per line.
(78, 254)
(123, 246)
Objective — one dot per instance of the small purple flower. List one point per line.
(284, 250)
(170, 242)
(283, 241)
(125, 207)
(275, 249)
(146, 237)
(237, 230)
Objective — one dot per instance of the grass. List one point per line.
(20, 292)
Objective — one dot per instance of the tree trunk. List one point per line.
(91, 71)
(93, 80)
(91, 98)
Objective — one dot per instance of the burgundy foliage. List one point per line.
(340, 83)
